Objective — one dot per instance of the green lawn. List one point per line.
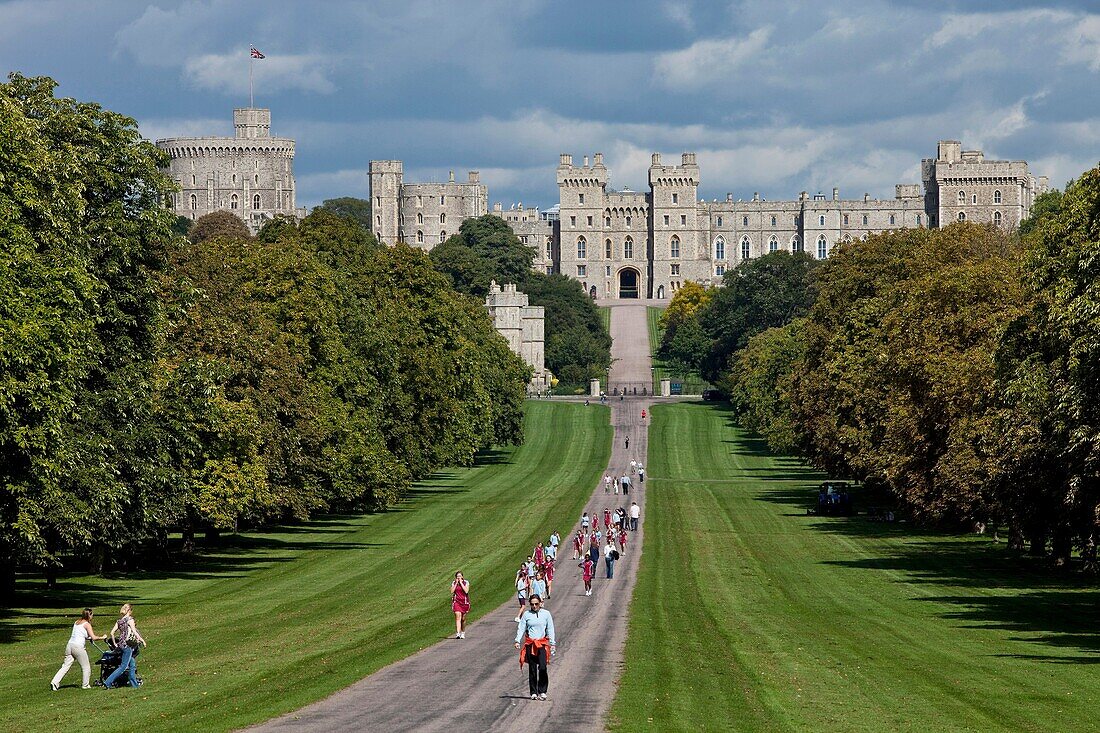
(751, 616)
(692, 383)
(283, 618)
(605, 317)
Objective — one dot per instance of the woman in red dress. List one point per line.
(548, 573)
(622, 540)
(460, 603)
(578, 545)
(588, 569)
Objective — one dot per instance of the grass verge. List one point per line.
(750, 615)
(276, 620)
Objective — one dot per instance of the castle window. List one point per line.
(821, 220)
(194, 201)
(719, 249)
(974, 198)
(864, 220)
(918, 219)
(442, 200)
(234, 179)
(628, 249)
(891, 220)
(796, 243)
(719, 221)
(997, 218)
(256, 201)
(580, 198)
(233, 201)
(746, 248)
(674, 270)
(845, 220)
(720, 270)
(378, 220)
(822, 247)
(773, 221)
(607, 249)
(607, 221)
(996, 197)
(962, 216)
(628, 221)
(257, 178)
(744, 221)
(549, 250)
(419, 236)
(607, 271)
(582, 270)
(674, 247)
(666, 220)
(773, 244)
(442, 236)
(962, 197)
(675, 198)
(582, 248)
(590, 222)
(192, 179)
(573, 222)
(442, 218)
(683, 220)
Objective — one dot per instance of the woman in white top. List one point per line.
(82, 631)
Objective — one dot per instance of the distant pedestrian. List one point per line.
(539, 554)
(523, 582)
(75, 651)
(628, 442)
(607, 483)
(622, 540)
(626, 484)
(460, 603)
(610, 555)
(635, 512)
(549, 573)
(641, 474)
(536, 641)
(643, 415)
(594, 549)
(588, 569)
(538, 586)
(606, 518)
(578, 544)
(633, 466)
(585, 521)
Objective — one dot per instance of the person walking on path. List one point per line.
(74, 650)
(622, 540)
(626, 484)
(588, 570)
(633, 466)
(641, 474)
(635, 512)
(628, 442)
(555, 542)
(126, 635)
(536, 642)
(523, 582)
(606, 518)
(538, 586)
(584, 522)
(549, 573)
(594, 548)
(607, 483)
(643, 416)
(610, 555)
(578, 545)
(460, 603)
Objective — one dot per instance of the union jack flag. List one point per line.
(256, 54)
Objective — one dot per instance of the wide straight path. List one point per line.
(475, 683)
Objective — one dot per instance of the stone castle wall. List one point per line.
(522, 325)
(250, 174)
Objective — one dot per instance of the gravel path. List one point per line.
(475, 684)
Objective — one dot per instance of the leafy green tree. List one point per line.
(218, 225)
(82, 223)
(1046, 206)
(348, 207)
(761, 293)
(491, 239)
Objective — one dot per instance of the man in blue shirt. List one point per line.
(536, 641)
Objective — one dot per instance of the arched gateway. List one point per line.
(629, 283)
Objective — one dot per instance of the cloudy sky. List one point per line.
(774, 97)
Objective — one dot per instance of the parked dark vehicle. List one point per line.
(834, 498)
(713, 395)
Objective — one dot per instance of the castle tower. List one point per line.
(385, 196)
(675, 224)
(250, 174)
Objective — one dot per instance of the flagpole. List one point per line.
(251, 103)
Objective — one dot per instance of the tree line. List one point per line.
(957, 369)
(152, 384)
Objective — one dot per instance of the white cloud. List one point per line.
(1083, 43)
(157, 128)
(228, 73)
(969, 26)
(709, 61)
(679, 12)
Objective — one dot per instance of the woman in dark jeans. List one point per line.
(125, 635)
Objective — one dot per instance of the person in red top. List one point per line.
(538, 554)
(578, 545)
(460, 603)
(606, 518)
(548, 573)
(622, 540)
(588, 569)
(643, 415)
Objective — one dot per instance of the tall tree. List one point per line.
(348, 207)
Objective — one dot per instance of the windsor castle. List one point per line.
(616, 243)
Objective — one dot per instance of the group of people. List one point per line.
(624, 483)
(124, 634)
(590, 540)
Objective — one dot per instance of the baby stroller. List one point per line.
(109, 661)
